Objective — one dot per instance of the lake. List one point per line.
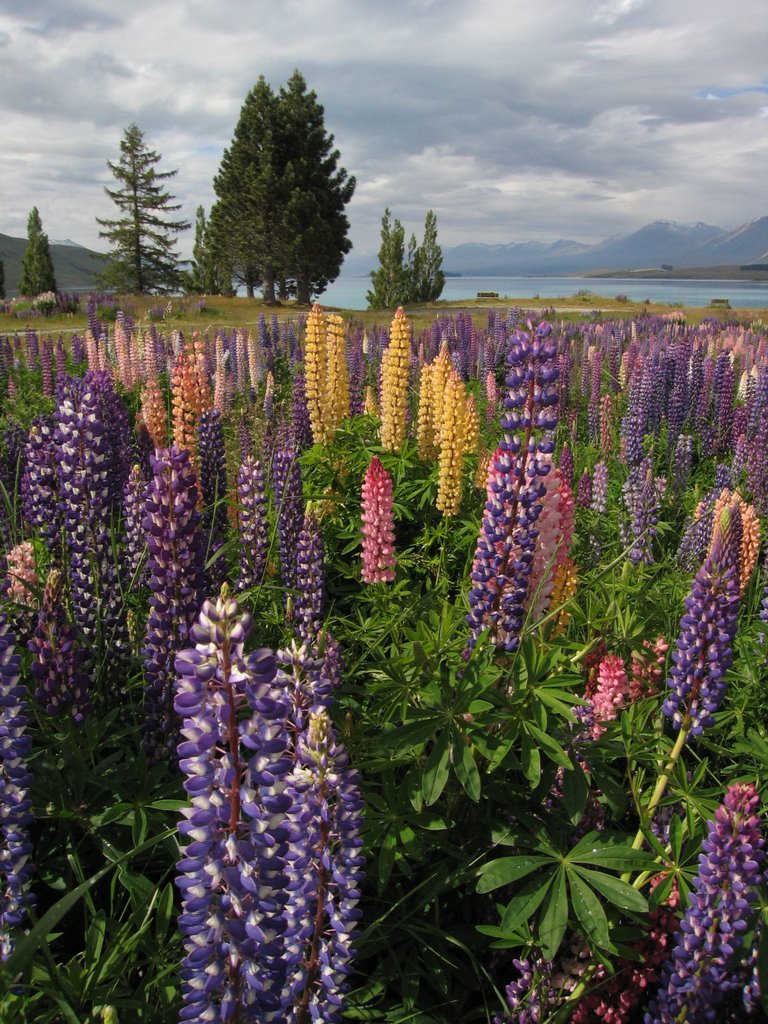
(350, 292)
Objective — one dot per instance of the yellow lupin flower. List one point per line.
(472, 425)
(337, 390)
(315, 370)
(425, 434)
(370, 406)
(395, 367)
(563, 589)
(481, 473)
(452, 442)
(441, 369)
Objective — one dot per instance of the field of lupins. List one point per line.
(384, 675)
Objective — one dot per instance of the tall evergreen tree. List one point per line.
(317, 192)
(391, 283)
(428, 276)
(143, 258)
(209, 274)
(37, 274)
(406, 278)
(281, 195)
(245, 221)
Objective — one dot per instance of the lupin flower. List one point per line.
(15, 801)
(703, 967)
(324, 874)
(600, 487)
(174, 543)
(22, 578)
(40, 483)
(506, 544)
(234, 756)
(289, 504)
(395, 370)
(584, 490)
(378, 525)
(707, 629)
(337, 373)
(252, 522)
(611, 693)
(452, 445)
(57, 658)
(133, 513)
(213, 472)
(310, 580)
(315, 369)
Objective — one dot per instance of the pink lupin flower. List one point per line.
(611, 693)
(378, 525)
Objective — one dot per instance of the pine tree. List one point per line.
(315, 224)
(143, 258)
(280, 215)
(403, 278)
(37, 274)
(391, 283)
(245, 221)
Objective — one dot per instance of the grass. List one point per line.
(223, 312)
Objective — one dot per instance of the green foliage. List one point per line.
(401, 280)
(208, 274)
(37, 275)
(143, 259)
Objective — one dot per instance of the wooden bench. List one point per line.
(487, 295)
(720, 303)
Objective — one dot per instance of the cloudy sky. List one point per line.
(513, 120)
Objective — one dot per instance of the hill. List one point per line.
(75, 266)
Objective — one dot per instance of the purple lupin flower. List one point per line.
(642, 497)
(584, 490)
(600, 487)
(15, 802)
(57, 658)
(234, 754)
(213, 472)
(286, 477)
(40, 483)
(566, 464)
(704, 966)
(707, 629)
(171, 524)
(252, 523)
(505, 546)
(532, 996)
(134, 495)
(325, 870)
(310, 579)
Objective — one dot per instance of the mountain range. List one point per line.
(662, 243)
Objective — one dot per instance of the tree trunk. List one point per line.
(302, 289)
(268, 287)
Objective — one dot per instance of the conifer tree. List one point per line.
(280, 215)
(391, 283)
(208, 274)
(403, 279)
(143, 259)
(37, 274)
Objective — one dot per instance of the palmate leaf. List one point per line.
(554, 917)
(588, 910)
(436, 770)
(600, 849)
(621, 894)
(522, 906)
(464, 766)
(506, 870)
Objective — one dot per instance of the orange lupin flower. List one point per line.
(750, 533)
(452, 444)
(395, 367)
(370, 406)
(190, 398)
(315, 369)
(154, 413)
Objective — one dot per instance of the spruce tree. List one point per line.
(37, 274)
(143, 259)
